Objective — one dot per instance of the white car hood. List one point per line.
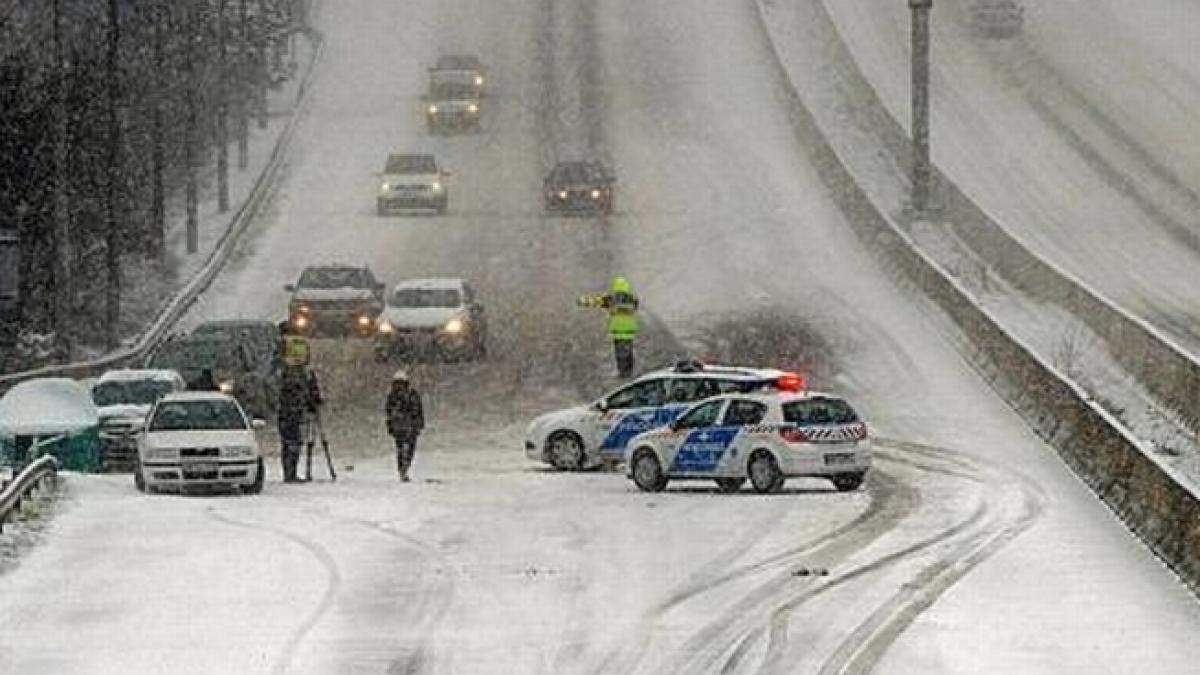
(560, 418)
(320, 294)
(420, 317)
(199, 439)
(129, 411)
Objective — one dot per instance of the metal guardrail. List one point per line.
(33, 477)
(1145, 493)
(153, 335)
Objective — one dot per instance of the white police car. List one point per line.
(590, 435)
(767, 437)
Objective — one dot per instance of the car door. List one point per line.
(741, 416)
(628, 412)
(699, 442)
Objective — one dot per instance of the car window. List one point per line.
(132, 392)
(703, 415)
(331, 277)
(208, 415)
(426, 297)
(410, 164)
(820, 410)
(646, 394)
(692, 389)
(742, 413)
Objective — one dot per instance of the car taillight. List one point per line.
(793, 435)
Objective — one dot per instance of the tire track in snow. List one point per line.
(333, 582)
(891, 501)
(1011, 505)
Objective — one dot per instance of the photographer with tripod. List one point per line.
(299, 400)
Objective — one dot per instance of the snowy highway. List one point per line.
(971, 549)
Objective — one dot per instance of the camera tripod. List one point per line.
(314, 432)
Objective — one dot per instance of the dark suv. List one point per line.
(579, 187)
(335, 300)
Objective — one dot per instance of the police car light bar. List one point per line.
(790, 382)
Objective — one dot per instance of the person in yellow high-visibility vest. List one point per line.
(621, 303)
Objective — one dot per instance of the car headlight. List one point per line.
(454, 326)
(386, 328)
(238, 451)
(436, 187)
(433, 110)
(363, 321)
(478, 80)
(385, 186)
(472, 108)
(226, 386)
(595, 194)
(562, 194)
(300, 320)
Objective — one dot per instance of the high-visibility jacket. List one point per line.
(621, 304)
(295, 350)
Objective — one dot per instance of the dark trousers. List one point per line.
(291, 436)
(406, 447)
(623, 351)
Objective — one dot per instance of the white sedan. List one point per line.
(199, 439)
(767, 437)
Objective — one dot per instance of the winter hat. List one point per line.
(400, 376)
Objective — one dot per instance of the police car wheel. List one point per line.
(565, 451)
(647, 472)
(847, 482)
(730, 484)
(765, 476)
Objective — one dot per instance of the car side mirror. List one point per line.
(601, 405)
(258, 425)
(290, 288)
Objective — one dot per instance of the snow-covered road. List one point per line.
(487, 564)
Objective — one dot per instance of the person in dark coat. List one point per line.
(405, 420)
(205, 381)
(299, 397)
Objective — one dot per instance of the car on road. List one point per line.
(997, 18)
(231, 363)
(412, 182)
(452, 107)
(200, 439)
(460, 69)
(766, 437)
(442, 316)
(335, 300)
(579, 187)
(596, 433)
(124, 398)
(261, 340)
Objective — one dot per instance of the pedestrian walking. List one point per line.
(405, 420)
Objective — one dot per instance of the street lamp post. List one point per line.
(921, 169)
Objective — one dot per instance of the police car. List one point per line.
(596, 433)
(766, 437)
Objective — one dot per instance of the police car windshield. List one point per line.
(815, 411)
(426, 297)
(130, 392)
(332, 277)
(198, 416)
